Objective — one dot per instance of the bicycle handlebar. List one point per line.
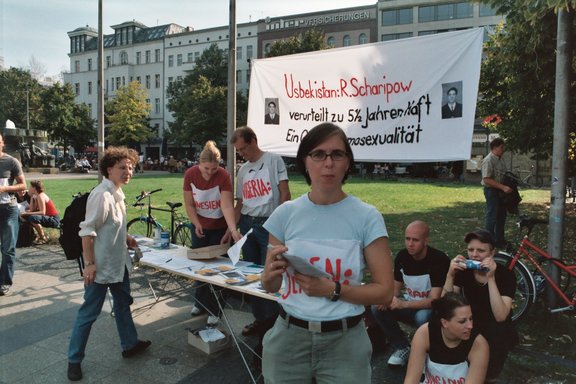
(144, 194)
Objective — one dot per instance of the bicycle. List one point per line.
(531, 282)
(146, 224)
(527, 178)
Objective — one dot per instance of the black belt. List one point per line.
(256, 220)
(322, 326)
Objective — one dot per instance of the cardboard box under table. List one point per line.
(208, 347)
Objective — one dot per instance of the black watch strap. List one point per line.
(336, 293)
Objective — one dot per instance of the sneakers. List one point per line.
(213, 320)
(196, 311)
(74, 372)
(139, 347)
(4, 290)
(399, 357)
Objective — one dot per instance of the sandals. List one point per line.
(40, 240)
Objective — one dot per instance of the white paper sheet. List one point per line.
(234, 251)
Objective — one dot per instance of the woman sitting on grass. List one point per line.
(447, 348)
(41, 213)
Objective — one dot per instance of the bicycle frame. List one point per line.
(524, 250)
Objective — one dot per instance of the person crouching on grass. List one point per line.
(320, 336)
(105, 244)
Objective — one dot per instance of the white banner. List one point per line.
(403, 100)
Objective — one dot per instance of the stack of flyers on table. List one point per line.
(215, 270)
(236, 277)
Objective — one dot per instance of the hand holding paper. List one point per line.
(234, 251)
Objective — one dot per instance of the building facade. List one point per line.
(158, 56)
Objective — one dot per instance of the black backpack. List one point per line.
(74, 214)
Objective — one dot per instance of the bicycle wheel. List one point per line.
(183, 235)
(142, 226)
(525, 288)
(563, 275)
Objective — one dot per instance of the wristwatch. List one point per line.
(336, 294)
(89, 263)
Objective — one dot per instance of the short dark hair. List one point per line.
(273, 103)
(246, 133)
(497, 142)
(452, 89)
(114, 155)
(317, 136)
(444, 307)
(482, 236)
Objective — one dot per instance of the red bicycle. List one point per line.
(533, 277)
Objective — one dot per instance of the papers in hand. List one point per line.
(304, 267)
(234, 251)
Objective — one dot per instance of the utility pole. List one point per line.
(28, 108)
(231, 114)
(560, 147)
(100, 103)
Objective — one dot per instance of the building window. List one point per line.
(190, 57)
(157, 55)
(77, 66)
(77, 89)
(362, 39)
(123, 81)
(249, 52)
(178, 78)
(118, 83)
(171, 61)
(138, 58)
(396, 36)
(106, 90)
(157, 80)
(248, 77)
(123, 58)
(89, 64)
(89, 87)
(346, 41)
(179, 59)
(108, 61)
(170, 80)
(147, 81)
(331, 41)
(267, 48)
(157, 105)
(139, 79)
(238, 53)
(238, 77)
(147, 57)
(90, 109)
(196, 56)
(445, 12)
(397, 17)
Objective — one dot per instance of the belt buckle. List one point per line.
(315, 326)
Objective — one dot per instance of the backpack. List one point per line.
(74, 214)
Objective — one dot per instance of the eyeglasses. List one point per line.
(321, 155)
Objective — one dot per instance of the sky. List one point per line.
(38, 28)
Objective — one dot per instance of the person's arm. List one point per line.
(500, 305)
(284, 191)
(379, 291)
(478, 358)
(227, 206)
(455, 266)
(398, 285)
(18, 185)
(238, 211)
(274, 266)
(435, 293)
(417, 359)
(89, 259)
(191, 212)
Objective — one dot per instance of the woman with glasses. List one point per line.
(447, 348)
(320, 336)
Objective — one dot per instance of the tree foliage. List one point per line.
(518, 76)
(67, 123)
(199, 102)
(14, 84)
(309, 41)
(127, 116)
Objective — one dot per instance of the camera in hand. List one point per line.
(474, 264)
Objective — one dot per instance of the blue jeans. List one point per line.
(9, 227)
(94, 297)
(204, 298)
(254, 250)
(45, 221)
(495, 219)
(388, 321)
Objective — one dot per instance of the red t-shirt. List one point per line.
(207, 196)
(51, 209)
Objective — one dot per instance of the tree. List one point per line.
(15, 84)
(127, 116)
(309, 41)
(67, 123)
(518, 76)
(213, 65)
